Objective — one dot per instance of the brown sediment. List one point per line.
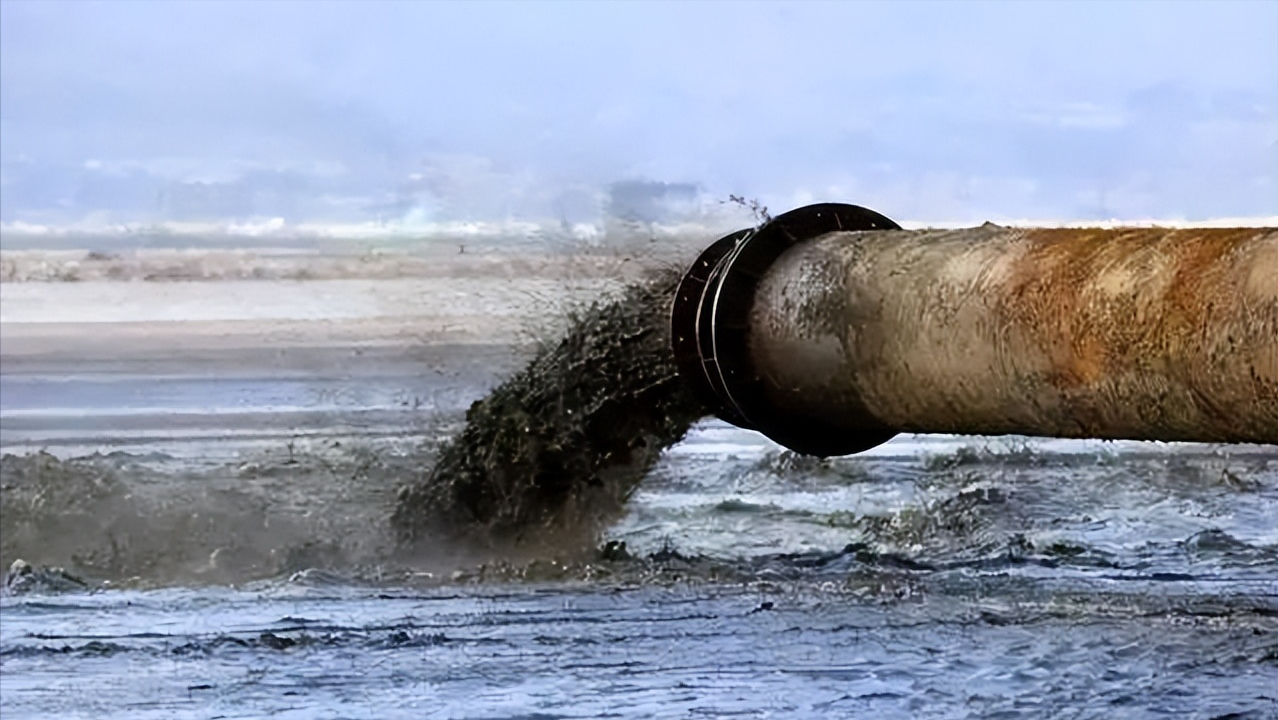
(558, 447)
(112, 517)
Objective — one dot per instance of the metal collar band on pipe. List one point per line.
(829, 335)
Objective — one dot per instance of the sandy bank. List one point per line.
(53, 324)
(440, 260)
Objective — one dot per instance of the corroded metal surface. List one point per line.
(1151, 333)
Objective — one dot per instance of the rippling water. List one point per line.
(932, 577)
(796, 649)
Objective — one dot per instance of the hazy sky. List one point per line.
(923, 111)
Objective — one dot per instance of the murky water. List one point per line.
(794, 649)
(931, 577)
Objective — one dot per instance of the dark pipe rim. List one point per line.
(690, 339)
(721, 328)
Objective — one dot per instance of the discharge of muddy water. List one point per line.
(558, 448)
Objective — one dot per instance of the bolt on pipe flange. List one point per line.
(710, 328)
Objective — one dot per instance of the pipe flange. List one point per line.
(711, 344)
(691, 339)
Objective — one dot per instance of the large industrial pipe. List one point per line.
(829, 329)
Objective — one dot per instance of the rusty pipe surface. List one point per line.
(830, 334)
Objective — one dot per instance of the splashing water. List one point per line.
(558, 448)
